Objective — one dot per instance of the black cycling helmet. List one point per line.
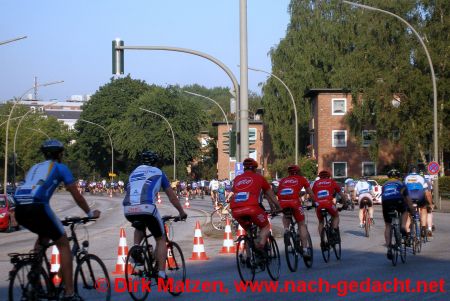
(393, 173)
(51, 148)
(149, 157)
(293, 169)
(324, 174)
(249, 163)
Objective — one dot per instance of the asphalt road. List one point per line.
(363, 259)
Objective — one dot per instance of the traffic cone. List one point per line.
(228, 246)
(198, 252)
(170, 261)
(55, 265)
(122, 253)
(270, 225)
(241, 232)
(159, 199)
(186, 204)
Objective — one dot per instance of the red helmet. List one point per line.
(249, 163)
(324, 174)
(293, 169)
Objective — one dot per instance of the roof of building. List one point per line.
(216, 123)
(64, 114)
(314, 91)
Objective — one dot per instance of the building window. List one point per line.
(339, 138)
(252, 135)
(339, 106)
(369, 169)
(368, 137)
(339, 169)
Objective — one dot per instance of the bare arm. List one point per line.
(272, 200)
(175, 201)
(311, 194)
(80, 200)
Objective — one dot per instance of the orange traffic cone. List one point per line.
(198, 252)
(270, 224)
(55, 265)
(241, 232)
(170, 260)
(186, 204)
(122, 253)
(228, 246)
(159, 199)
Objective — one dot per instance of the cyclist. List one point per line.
(417, 190)
(289, 189)
(325, 190)
(349, 188)
(430, 205)
(245, 200)
(363, 193)
(139, 205)
(394, 197)
(33, 209)
(213, 187)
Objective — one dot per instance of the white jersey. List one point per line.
(362, 187)
(214, 185)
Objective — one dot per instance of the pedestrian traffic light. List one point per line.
(117, 57)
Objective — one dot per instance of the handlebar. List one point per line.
(166, 218)
(72, 220)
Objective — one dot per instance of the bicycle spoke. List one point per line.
(92, 279)
(290, 251)
(245, 259)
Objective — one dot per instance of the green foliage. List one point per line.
(444, 185)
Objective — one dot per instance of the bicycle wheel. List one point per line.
(218, 220)
(92, 279)
(325, 245)
(308, 261)
(20, 287)
(245, 259)
(273, 259)
(290, 251)
(175, 265)
(337, 245)
(418, 238)
(395, 245)
(366, 221)
(137, 271)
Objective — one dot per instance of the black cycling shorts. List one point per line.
(153, 223)
(391, 206)
(365, 201)
(40, 219)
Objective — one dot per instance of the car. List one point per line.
(376, 190)
(7, 215)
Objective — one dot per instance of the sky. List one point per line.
(71, 40)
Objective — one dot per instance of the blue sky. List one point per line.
(71, 40)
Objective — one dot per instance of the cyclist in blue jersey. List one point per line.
(394, 197)
(34, 213)
(139, 204)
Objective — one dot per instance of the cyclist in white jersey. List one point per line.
(364, 195)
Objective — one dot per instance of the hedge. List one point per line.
(444, 185)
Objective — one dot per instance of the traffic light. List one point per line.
(232, 143)
(117, 57)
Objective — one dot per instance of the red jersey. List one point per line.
(247, 189)
(289, 188)
(324, 189)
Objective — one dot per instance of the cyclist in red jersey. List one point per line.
(324, 190)
(289, 197)
(245, 200)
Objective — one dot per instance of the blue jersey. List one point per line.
(41, 181)
(393, 190)
(143, 185)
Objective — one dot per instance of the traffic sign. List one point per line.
(433, 168)
(112, 174)
(238, 168)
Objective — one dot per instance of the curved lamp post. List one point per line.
(173, 137)
(433, 79)
(39, 131)
(110, 141)
(12, 40)
(5, 180)
(226, 119)
(293, 103)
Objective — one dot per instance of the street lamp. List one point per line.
(5, 180)
(12, 40)
(173, 137)
(110, 140)
(226, 119)
(293, 103)
(39, 131)
(433, 79)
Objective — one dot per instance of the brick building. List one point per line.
(333, 146)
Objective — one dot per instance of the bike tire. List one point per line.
(395, 245)
(290, 251)
(325, 245)
(136, 272)
(308, 262)
(175, 267)
(218, 220)
(273, 263)
(245, 259)
(418, 236)
(366, 221)
(20, 287)
(337, 246)
(92, 279)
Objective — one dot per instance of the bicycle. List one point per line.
(293, 245)
(367, 221)
(32, 279)
(145, 269)
(415, 231)
(219, 218)
(250, 260)
(328, 240)
(397, 244)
